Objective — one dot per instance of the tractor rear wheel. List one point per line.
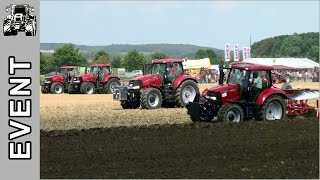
(186, 93)
(57, 88)
(231, 113)
(87, 88)
(130, 104)
(151, 98)
(113, 82)
(273, 108)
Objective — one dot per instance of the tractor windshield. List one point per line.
(157, 69)
(236, 76)
(100, 70)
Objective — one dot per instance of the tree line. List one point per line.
(305, 45)
(68, 55)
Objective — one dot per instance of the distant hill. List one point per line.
(173, 50)
(305, 45)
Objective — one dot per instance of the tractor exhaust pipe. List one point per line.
(221, 77)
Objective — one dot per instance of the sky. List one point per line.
(205, 23)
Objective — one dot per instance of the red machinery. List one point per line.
(164, 84)
(241, 98)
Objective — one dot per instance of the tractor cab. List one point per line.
(168, 69)
(248, 79)
(100, 71)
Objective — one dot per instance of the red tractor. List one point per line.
(248, 93)
(164, 84)
(58, 83)
(97, 79)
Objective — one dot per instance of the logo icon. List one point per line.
(20, 19)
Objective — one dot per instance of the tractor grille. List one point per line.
(120, 93)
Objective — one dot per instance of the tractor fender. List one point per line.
(108, 77)
(269, 92)
(181, 79)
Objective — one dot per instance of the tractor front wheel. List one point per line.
(130, 104)
(231, 113)
(186, 93)
(87, 88)
(273, 108)
(113, 82)
(151, 98)
(57, 88)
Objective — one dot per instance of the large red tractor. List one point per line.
(98, 78)
(58, 83)
(248, 93)
(164, 84)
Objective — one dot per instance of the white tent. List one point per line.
(298, 63)
(196, 63)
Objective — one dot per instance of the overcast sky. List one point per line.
(208, 23)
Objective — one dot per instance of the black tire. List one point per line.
(130, 104)
(57, 88)
(278, 102)
(231, 113)
(109, 84)
(151, 98)
(87, 88)
(286, 86)
(179, 93)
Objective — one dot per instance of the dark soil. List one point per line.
(283, 149)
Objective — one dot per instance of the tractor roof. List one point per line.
(100, 65)
(250, 66)
(68, 67)
(165, 61)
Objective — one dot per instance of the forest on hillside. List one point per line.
(305, 45)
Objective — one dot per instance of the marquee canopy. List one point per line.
(295, 63)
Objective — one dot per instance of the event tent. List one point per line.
(197, 63)
(296, 63)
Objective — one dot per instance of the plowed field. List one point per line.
(92, 137)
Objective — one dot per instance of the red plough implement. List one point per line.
(297, 104)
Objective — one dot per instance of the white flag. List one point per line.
(227, 52)
(236, 52)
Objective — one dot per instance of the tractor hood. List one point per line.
(56, 78)
(225, 88)
(223, 92)
(87, 77)
(149, 80)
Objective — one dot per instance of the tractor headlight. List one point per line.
(211, 97)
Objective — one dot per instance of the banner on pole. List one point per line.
(246, 53)
(236, 52)
(227, 52)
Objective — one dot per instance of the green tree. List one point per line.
(101, 53)
(116, 62)
(158, 55)
(68, 55)
(103, 59)
(291, 46)
(208, 53)
(133, 60)
(43, 63)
